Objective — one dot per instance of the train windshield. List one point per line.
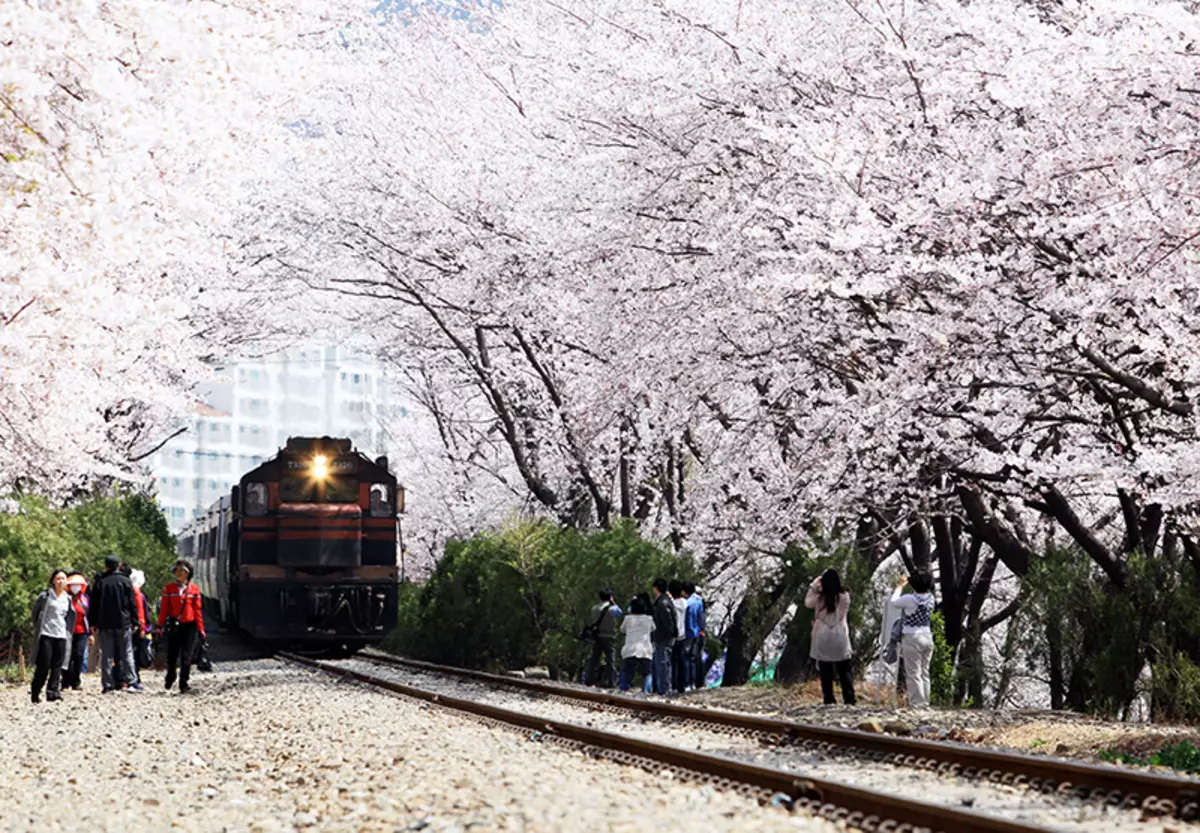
(301, 488)
(341, 489)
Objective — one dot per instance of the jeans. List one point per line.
(693, 666)
(845, 675)
(631, 666)
(116, 648)
(917, 650)
(50, 656)
(78, 663)
(181, 645)
(604, 650)
(662, 667)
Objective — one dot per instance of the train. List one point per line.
(302, 554)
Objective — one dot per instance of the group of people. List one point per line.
(71, 615)
(830, 644)
(663, 639)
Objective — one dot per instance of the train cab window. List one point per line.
(302, 489)
(256, 499)
(341, 489)
(380, 505)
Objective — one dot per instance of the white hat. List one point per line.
(138, 578)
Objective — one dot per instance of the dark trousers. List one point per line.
(181, 645)
(601, 670)
(845, 674)
(79, 648)
(678, 666)
(662, 667)
(50, 656)
(693, 665)
(631, 667)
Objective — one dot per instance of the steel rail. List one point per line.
(857, 807)
(1154, 792)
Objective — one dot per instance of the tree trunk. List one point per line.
(1057, 687)
(755, 617)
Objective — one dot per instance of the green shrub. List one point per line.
(941, 664)
(40, 538)
(1175, 688)
(518, 596)
(1182, 757)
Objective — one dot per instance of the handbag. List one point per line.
(203, 663)
(144, 656)
(590, 633)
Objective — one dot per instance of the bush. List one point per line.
(518, 596)
(40, 538)
(941, 665)
(1175, 688)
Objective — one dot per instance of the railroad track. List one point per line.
(1153, 793)
(856, 807)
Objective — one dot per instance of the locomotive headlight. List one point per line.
(320, 468)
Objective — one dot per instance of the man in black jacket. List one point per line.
(112, 616)
(663, 636)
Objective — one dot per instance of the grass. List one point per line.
(1181, 757)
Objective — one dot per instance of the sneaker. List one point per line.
(35, 698)
(170, 681)
(184, 688)
(136, 687)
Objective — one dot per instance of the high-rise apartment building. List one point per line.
(312, 392)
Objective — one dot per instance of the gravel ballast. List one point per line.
(263, 747)
(1016, 803)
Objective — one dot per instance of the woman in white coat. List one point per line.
(830, 645)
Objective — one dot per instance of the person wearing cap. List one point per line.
(145, 621)
(81, 636)
(181, 616)
(112, 615)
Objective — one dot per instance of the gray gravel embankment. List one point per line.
(261, 747)
(1018, 804)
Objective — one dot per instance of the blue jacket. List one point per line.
(694, 620)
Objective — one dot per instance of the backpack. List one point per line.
(589, 633)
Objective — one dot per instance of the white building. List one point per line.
(313, 392)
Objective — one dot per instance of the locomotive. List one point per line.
(302, 552)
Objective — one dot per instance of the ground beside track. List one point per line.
(1036, 731)
(263, 747)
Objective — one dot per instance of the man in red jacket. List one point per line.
(181, 616)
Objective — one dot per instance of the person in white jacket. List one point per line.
(830, 645)
(916, 644)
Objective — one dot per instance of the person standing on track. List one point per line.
(181, 617)
(830, 645)
(112, 617)
(54, 618)
(81, 636)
